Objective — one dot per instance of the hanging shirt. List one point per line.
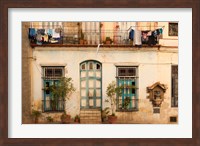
(152, 40)
(137, 38)
(131, 34)
(55, 34)
(32, 32)
(50, 32)
(144, 37)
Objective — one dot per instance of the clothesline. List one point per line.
(157, 27)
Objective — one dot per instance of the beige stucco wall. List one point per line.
(153, 66)
(26, 75)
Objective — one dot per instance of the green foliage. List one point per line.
(126, 103)
(111, 92)
(65, 116)
(35, 113)
(61, 90)
(105, 112)
(108, 39)
(77, 117)
(49, 119)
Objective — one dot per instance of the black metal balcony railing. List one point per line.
(122, 105)
(52, 106)
(89, 38)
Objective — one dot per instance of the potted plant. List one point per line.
(81, 40)
(126, 102)
(35, 114)
(61, 91)
(49, 119)
(65, 118)
(108, 40)
(77, 119)
(104, 114)
(111, 92)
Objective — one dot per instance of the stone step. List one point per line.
(91, 116)
(90, 112)
(86, 114)
(90, 121)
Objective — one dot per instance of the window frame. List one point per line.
(134, 97)
(52, 80)
(173, 102)
(169, 34)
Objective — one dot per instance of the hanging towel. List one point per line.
(131, 34)
(50, 32)
(149, 33)
(45, 38)
(32, 33)
(161, 31)
(137, 38)
(55, 34)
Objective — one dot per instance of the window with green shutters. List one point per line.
(51, 76)
(127, 80)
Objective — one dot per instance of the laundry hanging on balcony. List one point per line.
(44, 36)
(151, 37)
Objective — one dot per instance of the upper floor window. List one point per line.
(53, 72)
(173, 29)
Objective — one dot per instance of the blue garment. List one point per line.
(32, 33)
(131, 34)
(155, 33)
(50, 32)
(161, 31)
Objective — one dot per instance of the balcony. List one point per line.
(90, 39)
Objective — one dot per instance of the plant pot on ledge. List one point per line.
(112, 119)
(81, 42)
(65, 118)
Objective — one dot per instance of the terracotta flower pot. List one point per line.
(81, 42)
(107, 42)
(66, 119)
(112, 119)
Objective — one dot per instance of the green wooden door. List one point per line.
(90, 84)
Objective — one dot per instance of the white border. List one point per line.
(182, 130)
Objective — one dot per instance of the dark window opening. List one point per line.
(173, 29)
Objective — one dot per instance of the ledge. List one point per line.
(96, 45)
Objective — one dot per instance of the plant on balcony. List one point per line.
(81, 40)
(108, 40)
(111, 92)
(61, 91)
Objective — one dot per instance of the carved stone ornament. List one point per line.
(156, 93)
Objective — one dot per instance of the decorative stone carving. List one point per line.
(156, 93)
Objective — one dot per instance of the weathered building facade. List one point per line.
(152, 68)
